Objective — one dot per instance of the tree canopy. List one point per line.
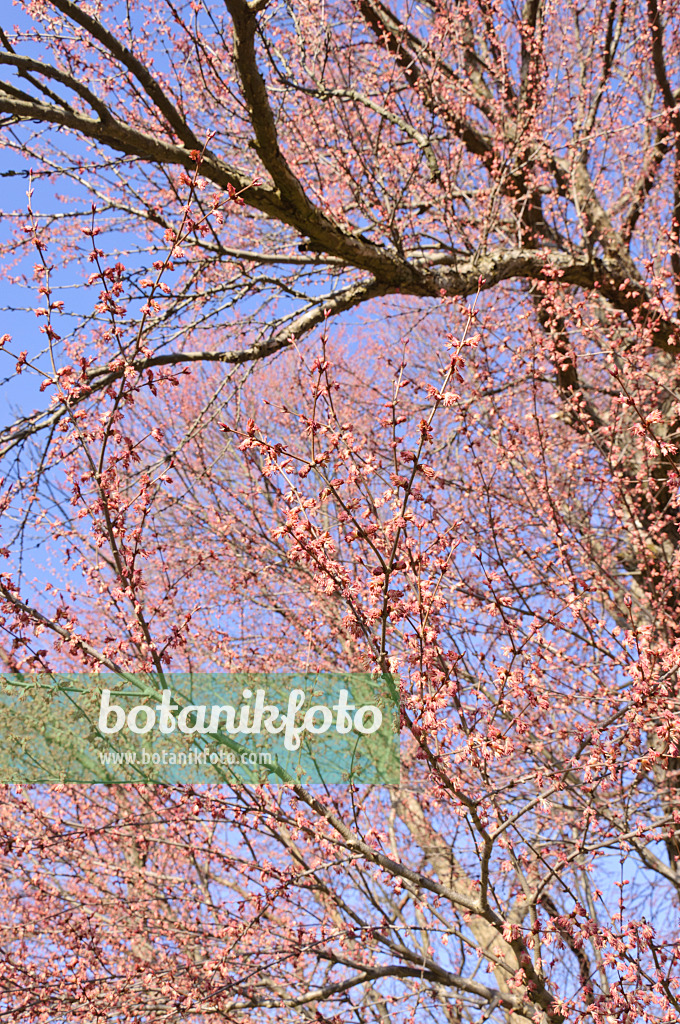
(356, 328)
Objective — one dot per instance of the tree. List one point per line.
(379, 372)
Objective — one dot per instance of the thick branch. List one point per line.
(124, 56)
(97, 379)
